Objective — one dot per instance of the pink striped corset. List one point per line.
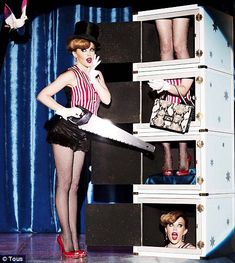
(84, 94)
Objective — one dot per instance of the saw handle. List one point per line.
(82, 119)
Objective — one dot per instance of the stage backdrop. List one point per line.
(27, 172)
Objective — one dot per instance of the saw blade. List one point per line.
(91, 123)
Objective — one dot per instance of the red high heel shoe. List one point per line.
(70, 254)
(60, 243)
(183, 172)
(81, 252)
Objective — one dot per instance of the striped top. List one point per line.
(187, 245)
(172, 98)
(184, 245)
(84, 93)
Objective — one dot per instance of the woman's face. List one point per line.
(85, 57)
(176, 230)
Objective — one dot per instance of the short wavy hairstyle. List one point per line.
(75, 43)
(171, 217)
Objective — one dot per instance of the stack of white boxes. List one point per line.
(211, 199)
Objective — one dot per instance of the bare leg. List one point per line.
(73, 202)
(164, 28)
(173, 35)
(180, 37)
(183, 160)
(64, 162)
(167, 156)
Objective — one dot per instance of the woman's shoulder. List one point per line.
(76, 70)
(73, 71)
(73, 68)
(67, 76)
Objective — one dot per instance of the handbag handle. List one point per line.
(181, 97)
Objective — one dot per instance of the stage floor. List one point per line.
(39, 248)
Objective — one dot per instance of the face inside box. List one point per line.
(151, 41)
(210, 224)
(154, 234)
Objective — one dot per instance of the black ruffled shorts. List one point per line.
(65, 133)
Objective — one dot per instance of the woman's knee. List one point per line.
(74, 187)
(64, 184)
(166, 48)
(181, 50)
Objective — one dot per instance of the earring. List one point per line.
(183, 238)
(166, 237)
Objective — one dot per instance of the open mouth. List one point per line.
(89, 60)
(174, 235)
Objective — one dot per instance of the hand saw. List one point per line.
(89, 122)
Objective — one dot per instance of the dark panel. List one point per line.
(116, 72)
(150, 42)
(112, 193)
(151, 48)
(125, 105)
(114, 163)
(191, 38)
(113, 225)
(120, 42)
(147, 102)
(153, 233)
(152, 164)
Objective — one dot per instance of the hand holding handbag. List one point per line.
(172, 116)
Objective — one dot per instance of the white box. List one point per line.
(214, 95)
(211, 224)
(213, 42)
(214, 161)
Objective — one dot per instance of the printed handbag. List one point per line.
(171, 116)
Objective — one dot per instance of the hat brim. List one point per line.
(87, 37)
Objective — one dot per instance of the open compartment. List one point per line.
(204, 215)
(210, 38)
(211, 93)
(207, 173)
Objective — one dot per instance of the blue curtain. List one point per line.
(27, 172)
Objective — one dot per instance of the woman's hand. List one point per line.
(97, 79)
(69, 112)
(93, 73)
(159, 85)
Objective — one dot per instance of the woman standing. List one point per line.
(173, 37)
(87, 89)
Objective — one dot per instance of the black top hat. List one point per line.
(86, 30)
